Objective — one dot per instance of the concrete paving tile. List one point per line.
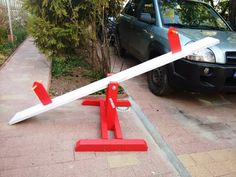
(62, 157)
(187, 160)
(51, 171)
(190, 138)
(140, 172)
(231, 164)
(22, 172)
(3, 151)
(164, 121)
(124, 171)
(159, 167)
(95, 164)
(222, 155)
(174, 132)
(218, 168)
(32, 159)
(232, 124)
(37, 140)
(108, 154)
(190, 148)
(73, 169)
(12, 97)
(8, 164)
(122, 161)
(202, 158)
(103, 173)
(24, 151)
(84, 155)
(226, 134)
(230, 175)
(199, 171)
(86, 168)
(39, 159)
(170, 175)
(174, 140)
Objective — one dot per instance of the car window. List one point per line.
(132, 7)
(190, 14)
(148, 7)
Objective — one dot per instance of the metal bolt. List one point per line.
(113, 87)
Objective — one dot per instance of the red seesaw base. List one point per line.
(110, 122)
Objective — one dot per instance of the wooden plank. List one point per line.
(119, 77)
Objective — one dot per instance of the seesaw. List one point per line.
(109, 118)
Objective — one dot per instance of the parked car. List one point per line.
(142, 31)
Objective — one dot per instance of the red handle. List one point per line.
(41, 93)
(174, 40)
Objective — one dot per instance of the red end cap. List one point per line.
(42, 93)
(174, 40)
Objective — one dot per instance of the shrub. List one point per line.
(3, 17)
(20, 33)
(6, 47)
(3, 25)
(60, 26)
(55, 26)
(3, 35)
(65, 67)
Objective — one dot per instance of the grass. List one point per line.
(62, 68)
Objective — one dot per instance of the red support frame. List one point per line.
(110, 122)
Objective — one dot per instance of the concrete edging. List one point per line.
(159, 140)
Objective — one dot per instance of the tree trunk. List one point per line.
(100, 55)
(232, 13)
(212, 3)
(106, 64)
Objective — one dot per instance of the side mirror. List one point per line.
(146, 17)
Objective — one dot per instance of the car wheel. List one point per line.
(158, 81)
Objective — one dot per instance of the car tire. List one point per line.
(158, 81)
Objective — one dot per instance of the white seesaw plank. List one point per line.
(119, 77)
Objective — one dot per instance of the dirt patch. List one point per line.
(64, 84)
(74, 73)
(76, 79)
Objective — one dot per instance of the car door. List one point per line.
(124, 22)
(141, 28)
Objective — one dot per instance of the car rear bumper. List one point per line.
(203, 77)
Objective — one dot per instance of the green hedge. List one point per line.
(3, 35)
(7, 47)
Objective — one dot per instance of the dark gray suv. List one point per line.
(142, 31)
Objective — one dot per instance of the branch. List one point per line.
(212, 3)
(225, 9)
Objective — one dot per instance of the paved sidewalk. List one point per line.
(44, 145)
(24, 67)
(200, 129)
